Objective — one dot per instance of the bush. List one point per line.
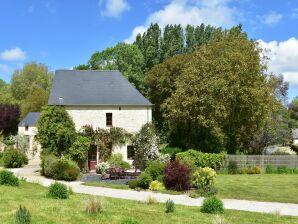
(79, 150)
(156, 186)
(155, 169)
(208, 191)
(7, 178)
(160, 178)
(203, 177)
(270, 169)
(13, 158)
(23, 216)
(170, 206)
(58, 191)
(60, 169)
(177, 176)
(133, 184)
(116, 160)
(171, 151)
(200, 159)
(233, 167)
(283, 170)
(212, 205)
(253, 170)
(130, 221)
(144, 180)
(93, 205)
(102, 167)
(1, 158)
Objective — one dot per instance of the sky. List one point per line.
(64, 33)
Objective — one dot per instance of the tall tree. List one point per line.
(5, 93)
(190, 38)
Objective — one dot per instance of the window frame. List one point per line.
(26, 127)
(109, 119)
(130, 147)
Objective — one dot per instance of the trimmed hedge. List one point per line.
(195, 158)
(13, 158)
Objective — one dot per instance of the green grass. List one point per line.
(49, 211)
(259, 187)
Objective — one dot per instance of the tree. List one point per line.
(5, 93)
(34, 101)
(56, 130)
(9, 118)
(190, 38)
(293, 113)
(33, 76)
(79, 150)
(221, 98)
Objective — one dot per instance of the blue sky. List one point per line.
(64, 33)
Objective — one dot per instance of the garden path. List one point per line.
(31, 175)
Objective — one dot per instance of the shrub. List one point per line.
(212, 205)
(177, 176)
(155, 169)
(170, 206)
(200, 159)
(13, 158)
(7, 178)
(23, 216)
(102, 167)
(48, 165)
(1, 157)
(208, 191)
(116, 160)
(171, 151)
(233, 167)
(144, 180)
(283, 170)
(160, 178)
(79, 150)
(270, 169)
(253, 170)
(203, 177)
(130, 221)
(58, 191)
(94, 205)
(285, 150)
(156, 186)
(133, 184)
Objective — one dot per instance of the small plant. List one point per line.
(116, 160)
(144, 180)
(94, 205)
(155, 169)
(233, 167)
(130, 221)
(156, 186)
(203, 177)
(13, 158)
(208, 191)
(133, 184)
(283, 170)
(151, 200)
(253, 170)
(170, 206)
(58, 191)
(270, 169)
(102, 167)
(23, 216)
(7, 178)
(212, 205)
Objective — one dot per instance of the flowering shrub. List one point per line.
(102, 167)
(177, 176)
(278, 150)
(203, 177)
(156, 186)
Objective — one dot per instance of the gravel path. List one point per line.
(30, 174)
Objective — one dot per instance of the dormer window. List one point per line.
(60, 100)
(109, 119)
(26, 128)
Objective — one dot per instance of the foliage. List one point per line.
(170, 206)
(270, 169)
(79, 150)
(56, 130)
(177, 176)
(5, 94)
(23, 216)
(9, 118)
(102, 167)
(116, 160)
(203, 177)
(130, 221)
(284, 151)
(1, 158)
(171, 151)
(7, 178)
(200, 159)
(58, 191)
(20, 142)
(253, 170)
(94, 205)
(133, 184)
(31, 77)
(145, 144)
(14, 158)
(286, 170)
(144, 180)
(155, 168)
(207, 191)
(212, 205)
(233, 167)
(156, 186)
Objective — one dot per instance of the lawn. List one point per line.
(45, 210)
(260, 187)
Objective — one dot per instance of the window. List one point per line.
(26, 128)
(130, 152)
(109, 119)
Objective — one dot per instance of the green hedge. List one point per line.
(194, 159)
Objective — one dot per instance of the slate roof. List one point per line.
(93, 87)
(30, 119)
(295, 133)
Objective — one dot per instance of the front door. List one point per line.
(92, 162)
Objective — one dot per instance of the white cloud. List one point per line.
(213, 12)
(284, 58)
(13, 54)
(135, 32)
(272, 18)
(113, 8)
(4, 68)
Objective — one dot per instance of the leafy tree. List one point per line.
(33, 76)
(293, 113)
(56, 130)
(5, 93)
(9, 118)
(82, 67)
(190, 38)
(79, 150)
